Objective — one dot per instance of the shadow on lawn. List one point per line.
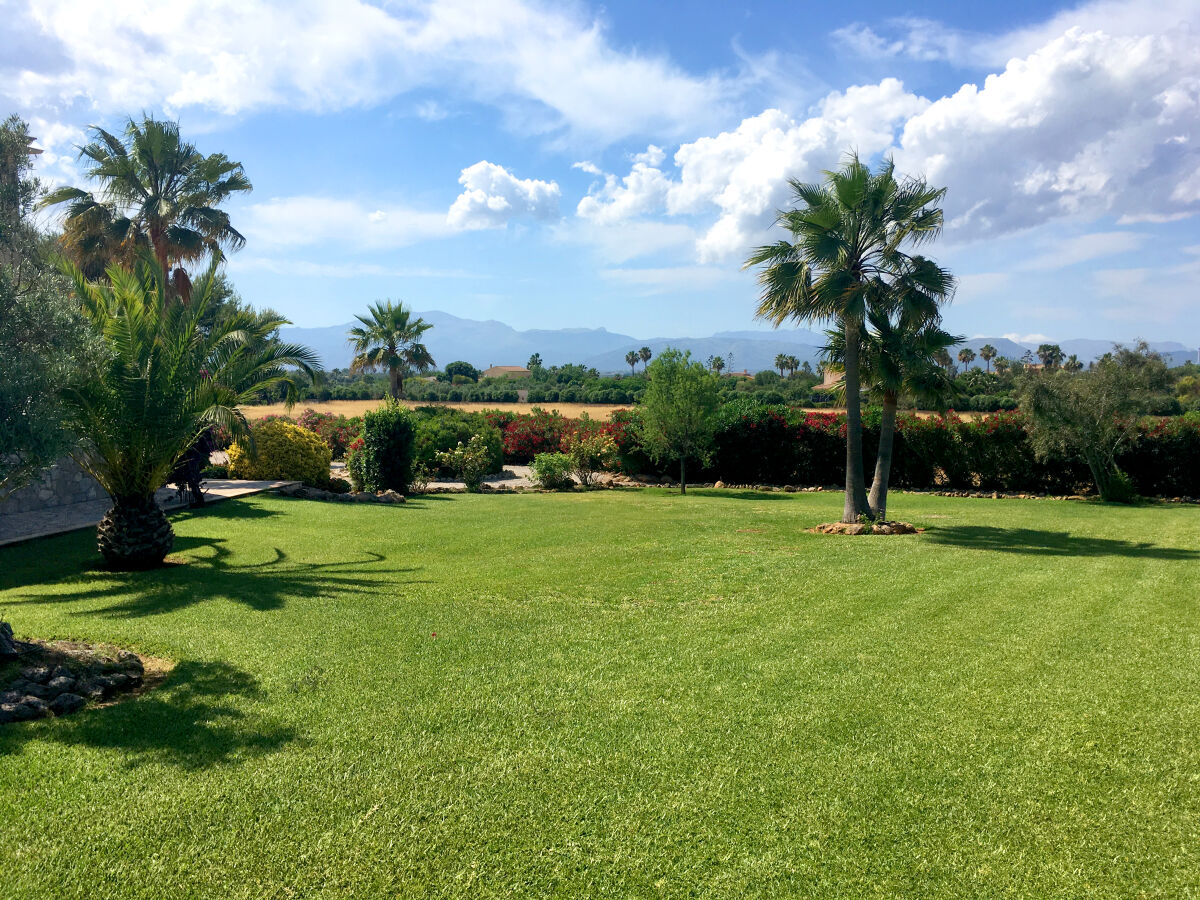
(263, 585)
(198, 718)
(1050, 543)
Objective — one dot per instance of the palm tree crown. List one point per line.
(155, 189)
(389, 340)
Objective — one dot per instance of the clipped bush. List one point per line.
(441, 429)
(383, 458)
(280, 451)
(468, 462)
(552, 471)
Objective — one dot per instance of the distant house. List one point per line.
(742, 374)
(506, 372)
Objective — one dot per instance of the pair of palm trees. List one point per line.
(786, 363)
(177, 358)
(847, 263)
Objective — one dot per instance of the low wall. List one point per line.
(63, 484)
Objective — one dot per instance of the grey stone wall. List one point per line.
(62, 484)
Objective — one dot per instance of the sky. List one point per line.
(567, 164)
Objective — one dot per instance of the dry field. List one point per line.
(600, 411)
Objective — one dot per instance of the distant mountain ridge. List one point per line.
(486, 343)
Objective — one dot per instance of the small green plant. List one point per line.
(470, 462)
(552, 471)
(419, 483)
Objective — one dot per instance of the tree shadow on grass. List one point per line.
(265, 585)
(725, 494)
(1034, 542)
(197, 719)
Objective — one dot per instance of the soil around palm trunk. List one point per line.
(857, 528)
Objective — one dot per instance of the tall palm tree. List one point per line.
(717, 364)
(1051, 355)
(644, 355)
(631, 360)
(846, 255)
(781, 363)
(987, 353)
(966, 356)
(389, 340)
(155, 190)
(792, 364)
(1003, 366)
(1073, 364)
(166, 379)
(898, 358)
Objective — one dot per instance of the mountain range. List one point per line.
(487, 343)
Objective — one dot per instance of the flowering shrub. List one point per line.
(525, 435)
(553, 471)
(280, 451)
(336, 431)
(470, 462)
(589, 451)
(440, 429)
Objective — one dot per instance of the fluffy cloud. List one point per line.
(308, 221)
(492, 196)
(1088, 126)
(549, 67)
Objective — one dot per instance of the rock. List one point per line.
(720, 485)
(61, 684)
(35, 708)
(10, 697)
(31, 689)
(131, 661)
(390, 496)
(40, 674)
(66, 703)
(790, 488)
(61, 672)
(857, 528)
(94, 689)
(119, 681)
(11, 712)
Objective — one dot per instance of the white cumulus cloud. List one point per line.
(492, 196)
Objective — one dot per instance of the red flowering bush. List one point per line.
(336, 431)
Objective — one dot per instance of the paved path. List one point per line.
(24, 526)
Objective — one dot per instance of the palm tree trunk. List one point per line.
(395, 383)
(883, 459)
(683, 474)
(134, 534)
(856, 481)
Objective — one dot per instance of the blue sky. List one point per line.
(569, 164)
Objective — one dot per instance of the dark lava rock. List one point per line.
(8, 644)
(61, 683)
(31, 689)
(40, 674)
(66, 703)
(35, 708)
(61, 672)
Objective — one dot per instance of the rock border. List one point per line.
(857, 528)
(304, 492)
(61, 677)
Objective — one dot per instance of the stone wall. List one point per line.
(62, 484)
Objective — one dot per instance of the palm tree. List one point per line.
(1051, 355)
(155, 190)
(644, 355)
(535, 362)
(781, 363)
(389, 340)
(717, 364)
(966, 356)
(846, 256)
(898, 358)
(944, 359)
(987, 353)
(1003, 365)
(631, 360)
(792, 365)
(1073, 364)
(165, 380)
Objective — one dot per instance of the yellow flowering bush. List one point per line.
(284, 452)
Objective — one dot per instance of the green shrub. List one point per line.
(440, 429)
(589, 453)
(552, 471)
(468, 462)
(383, 458)
(280, 451)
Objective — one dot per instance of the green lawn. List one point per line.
(628, 695)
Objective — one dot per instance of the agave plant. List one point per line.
(166, 378)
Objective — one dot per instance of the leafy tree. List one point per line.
(644, 355)
(679, 411)
(1093, 415)
(155, 190)
(966, 356)
(1027, 359)
(631, 360)
(806, 369)
(1051, 355)
(781, 363)
(44, 341)
(389, 340)
(164, 381)
(846, 255)
(987, 353)
(460, 367)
